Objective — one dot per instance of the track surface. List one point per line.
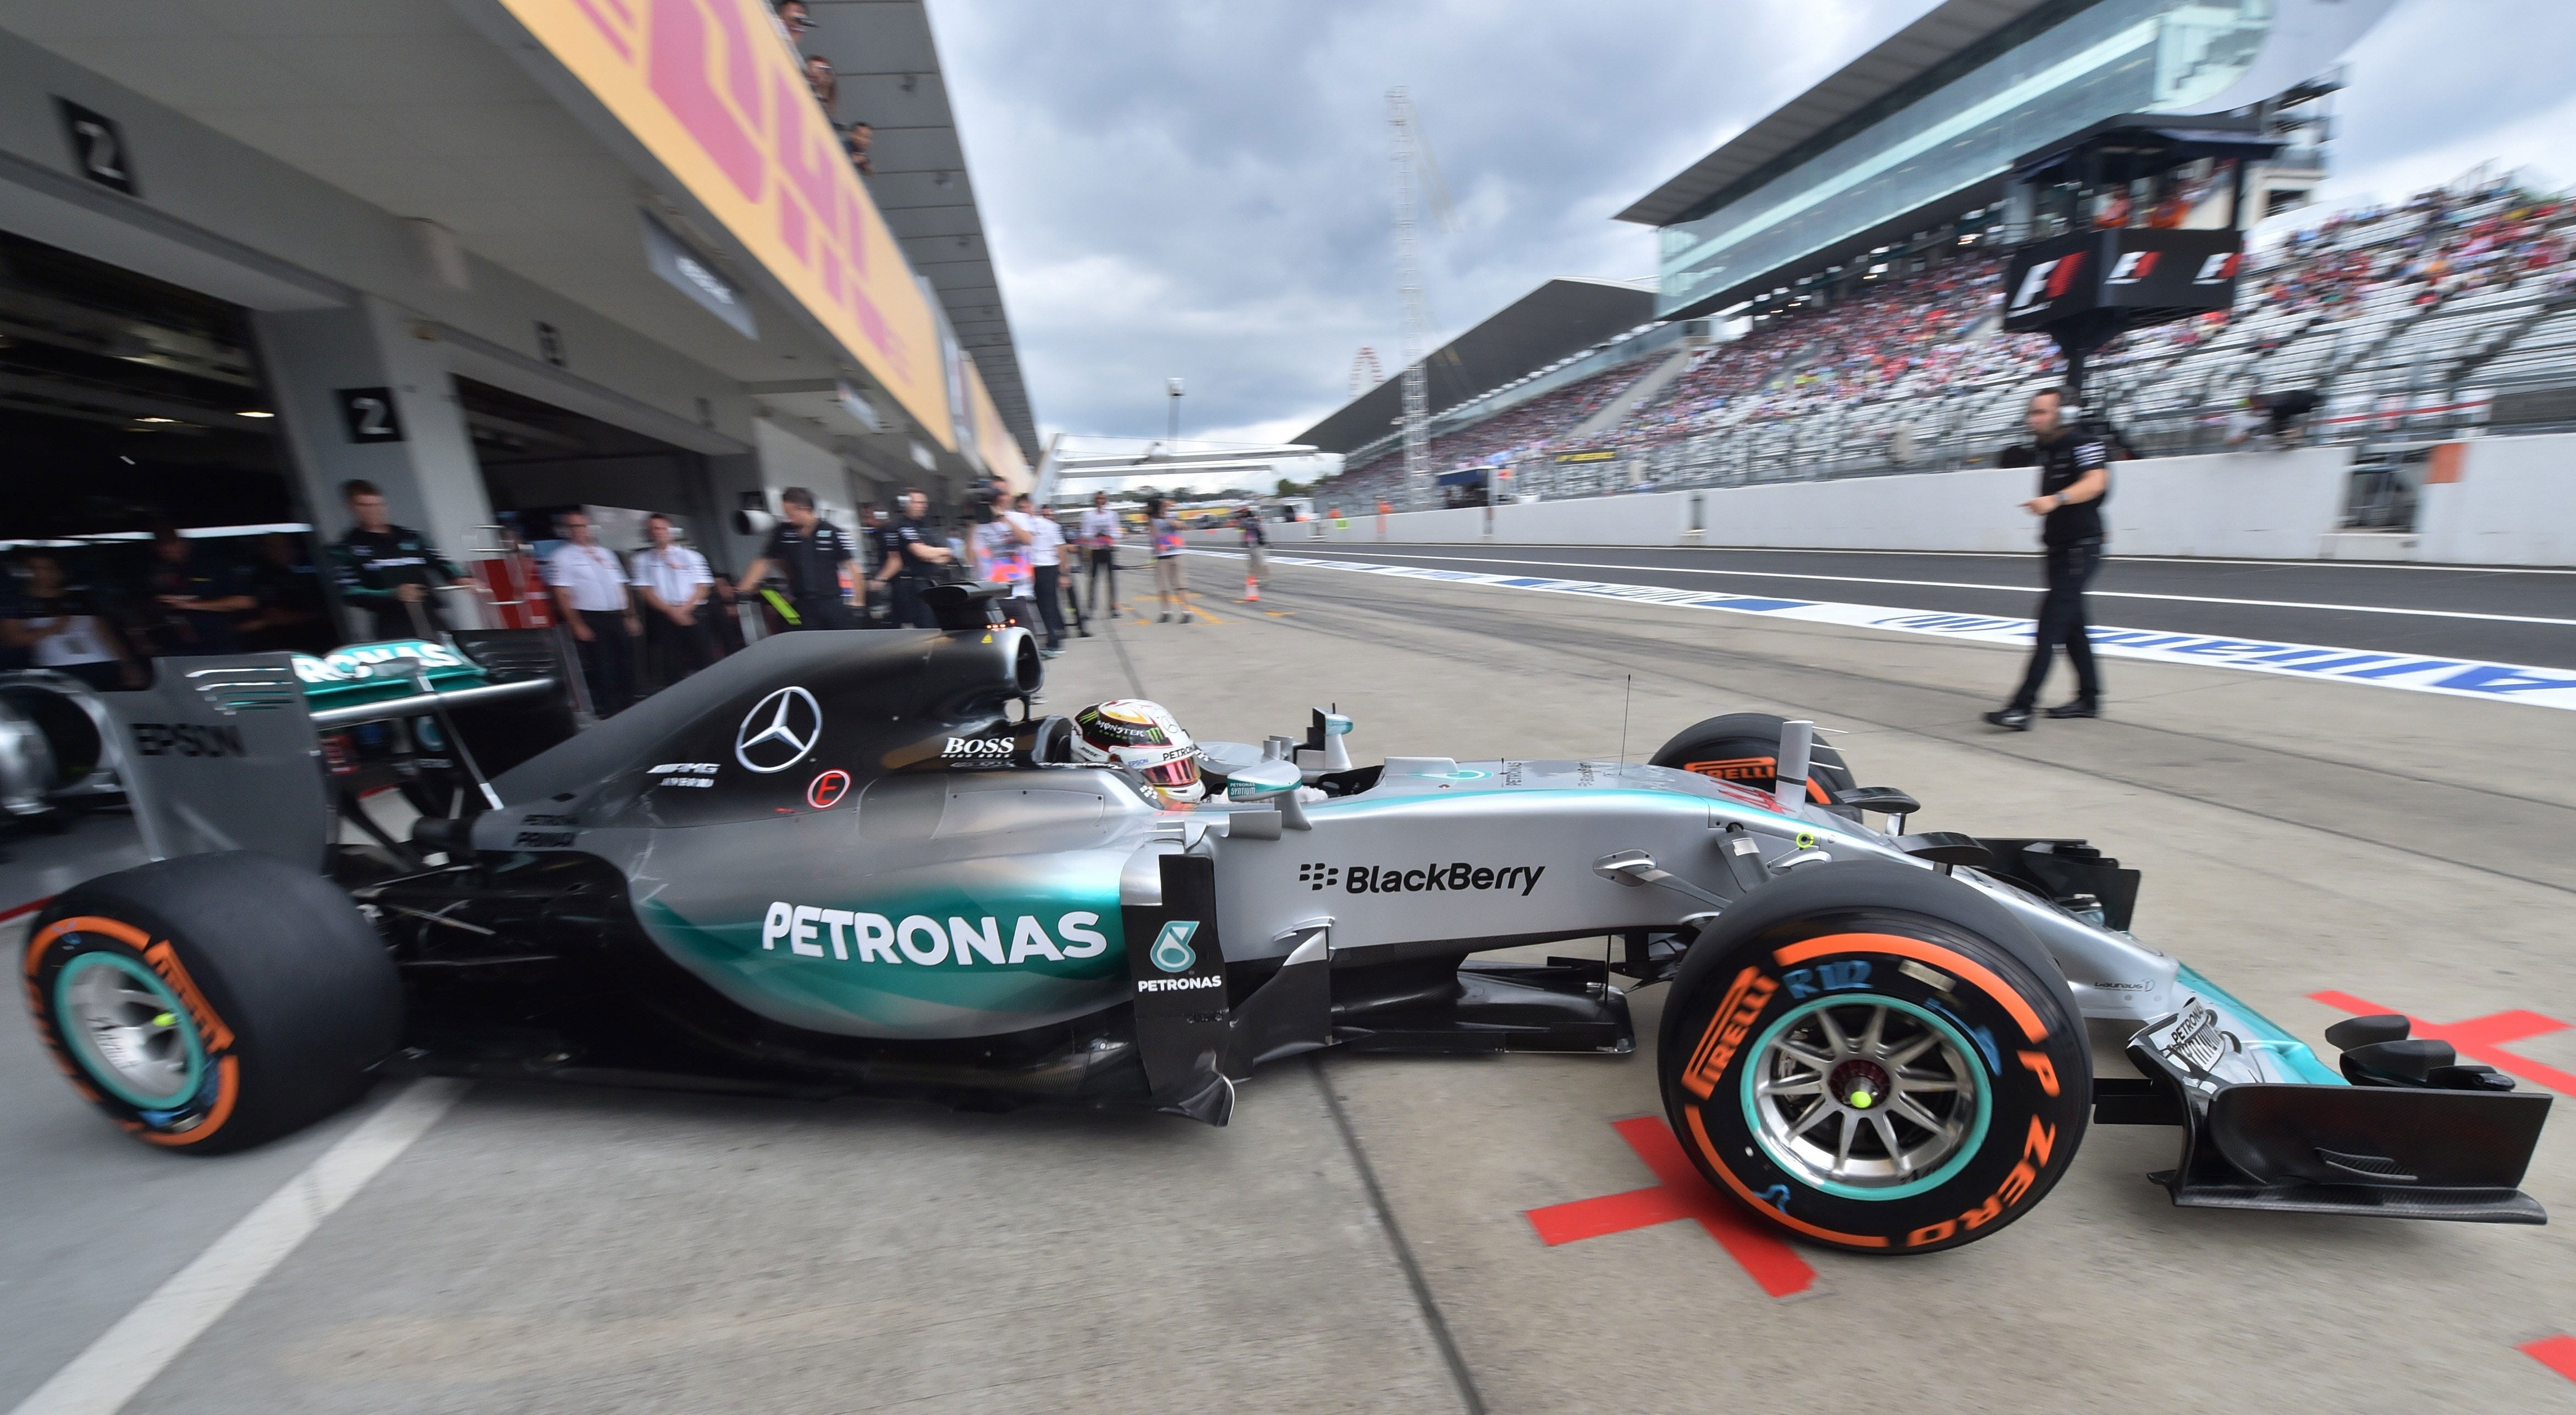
(1357, 1238)
(2442, 610)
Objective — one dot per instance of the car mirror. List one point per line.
(1276, 782)
(1260, 781)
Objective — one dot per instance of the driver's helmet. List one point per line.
(1143, 738)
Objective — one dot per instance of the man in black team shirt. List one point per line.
(388, 570)
(2074, 481)
(808, 552)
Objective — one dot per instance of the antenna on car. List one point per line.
(1625, 699)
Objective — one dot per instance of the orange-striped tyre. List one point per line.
(1744, 747)
(212, 1002)
(1875, 1057)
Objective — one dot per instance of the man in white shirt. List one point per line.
(590, 589)
(673, 582)
(1099, 533)
(1046, 556)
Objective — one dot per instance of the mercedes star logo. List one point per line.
(778, 731)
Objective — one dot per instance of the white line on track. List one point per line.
(129, 1354)
(2025, 555)
(1954, 585)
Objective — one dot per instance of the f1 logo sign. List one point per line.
(2217, 268)
(2050, 278)
(2133, 267)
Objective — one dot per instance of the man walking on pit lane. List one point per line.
(2074, 482)
(809, 552)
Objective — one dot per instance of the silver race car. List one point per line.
(860, 862)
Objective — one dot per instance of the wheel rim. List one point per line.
(130, 1030)
(1866, 1097)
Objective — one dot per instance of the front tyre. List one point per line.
(1870, 1057)
(212, 1002)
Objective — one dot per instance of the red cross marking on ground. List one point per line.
(1681, 1194)
(2558, 1353)
(2479, 1038)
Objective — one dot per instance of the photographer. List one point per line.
(809, 553)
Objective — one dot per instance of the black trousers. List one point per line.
(607, 661)
(823, 612)
(910, 610)
(1050, 602)
(2062, 620)
(1103, 565)
(674, 651)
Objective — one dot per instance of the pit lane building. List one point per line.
(495, 256)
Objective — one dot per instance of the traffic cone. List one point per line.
(1251, 589)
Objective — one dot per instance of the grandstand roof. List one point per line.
(1942, 33)
(1563, 317)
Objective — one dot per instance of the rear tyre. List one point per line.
(1744, 747)
(212, 1002)
(1876, 1058)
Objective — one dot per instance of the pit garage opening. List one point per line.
(538, 460)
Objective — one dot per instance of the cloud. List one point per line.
(1203, 190)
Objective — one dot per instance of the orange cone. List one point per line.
(1251, 590)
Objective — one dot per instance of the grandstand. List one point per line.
(2453, 309)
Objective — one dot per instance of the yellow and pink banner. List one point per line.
(713, 92)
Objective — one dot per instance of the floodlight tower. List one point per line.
(1408, 287)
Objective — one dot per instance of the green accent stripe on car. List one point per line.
(2267, 1035)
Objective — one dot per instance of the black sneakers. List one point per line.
(2078, 708)
(2011, 719)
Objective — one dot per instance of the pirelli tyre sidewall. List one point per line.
(1744, 747)
(244, 998)
(1931, 962)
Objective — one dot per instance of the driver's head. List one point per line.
(1142, 737)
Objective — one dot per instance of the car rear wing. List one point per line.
(224, 752)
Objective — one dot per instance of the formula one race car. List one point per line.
(858, 862)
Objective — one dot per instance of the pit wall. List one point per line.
(2508, 501)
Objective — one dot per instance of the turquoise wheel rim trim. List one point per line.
(1766, 1121)
(130, 1031)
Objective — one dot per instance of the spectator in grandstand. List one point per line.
(1171, 575)
(825, 83)
(795, 19)
(856, 139)
(59, 627)
(2074, 481)
(673, 582)
(2276, 419)
(590, 588)
(1099, 533)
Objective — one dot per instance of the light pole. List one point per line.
(1173, 387)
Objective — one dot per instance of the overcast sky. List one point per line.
(1202, 191)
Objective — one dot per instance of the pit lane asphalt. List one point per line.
(2334, 603)
(572, 1249)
